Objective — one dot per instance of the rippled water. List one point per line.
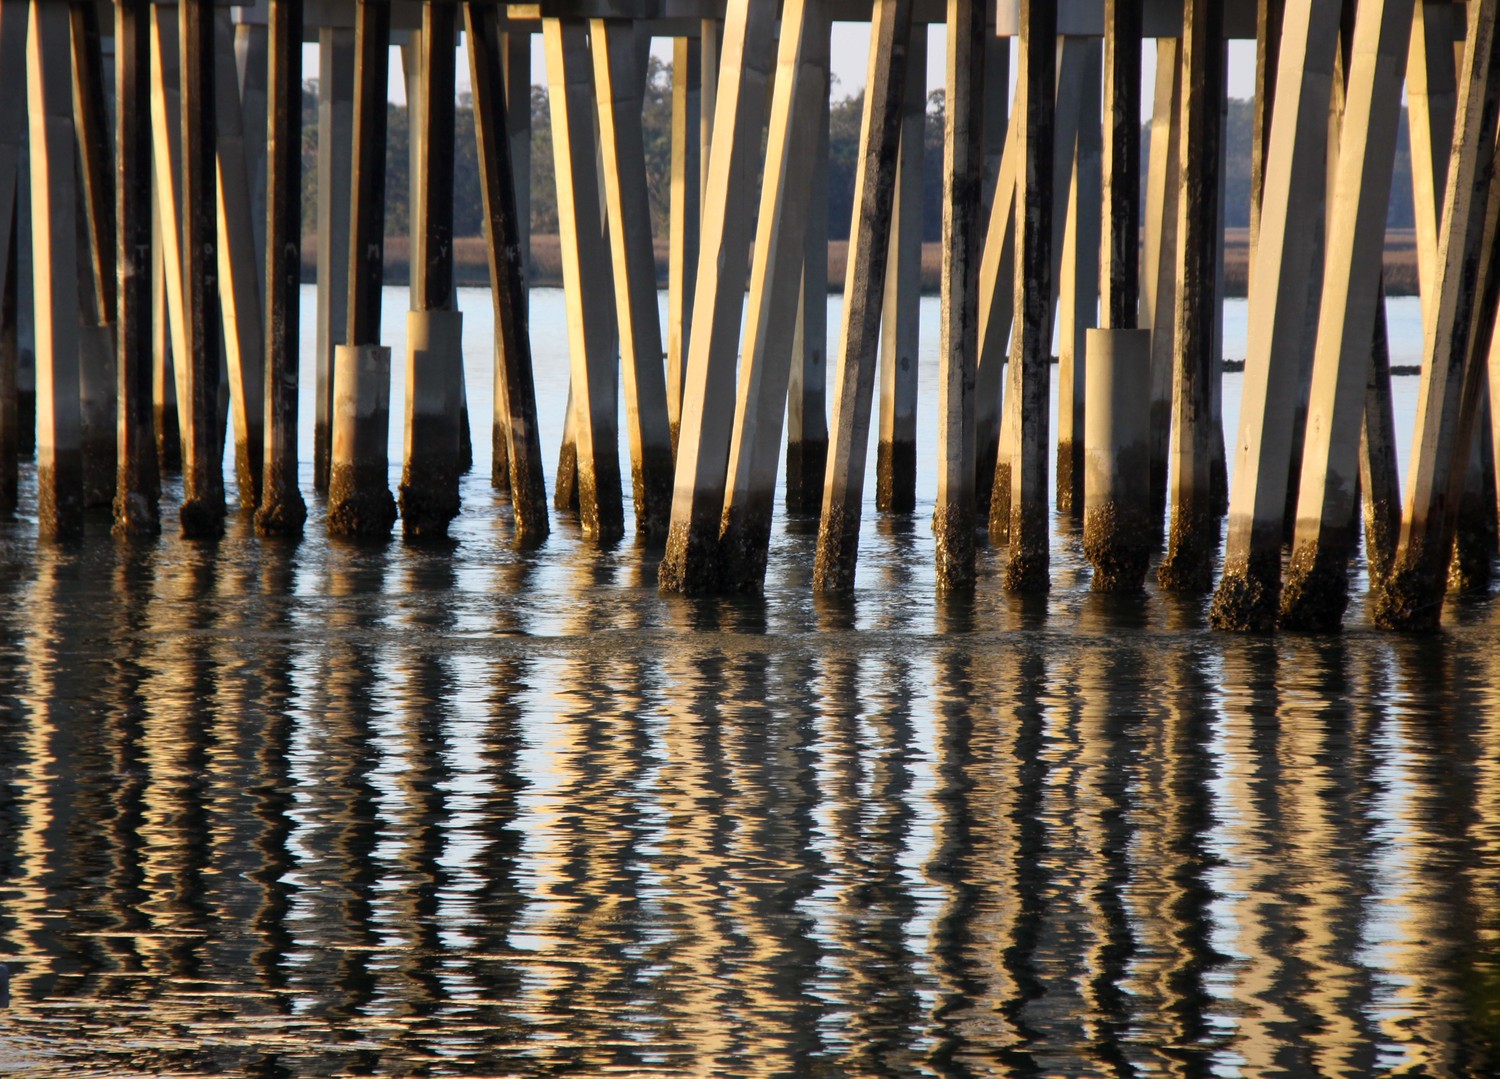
(337, 810)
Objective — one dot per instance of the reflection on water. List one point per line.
(326, 810)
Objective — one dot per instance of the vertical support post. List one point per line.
(359, 497)
(807, 404)
(1464, 313)
(896, 454)
(691, 563)
(167, 423)
(492, 66)
(282, 510)
(1269, 17)
(1379, 476)
(1193, 539)
(684, 212)
(13, 131)
(968, 81)
(1026, 569)
(1117, 538)
(515, 53)
(53, 206)
(434, 330)
(1119, 247)
(335, 164)
(252, 62)
(138, 483)
(1159, 283)
(995, 111)
(202, 513)
(1280, 288)
(775, 286)
(864, 286)
(618, 87)
(997, 297)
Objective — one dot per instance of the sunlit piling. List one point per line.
(335, 145)
(1118, 535)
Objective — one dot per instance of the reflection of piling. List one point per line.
(1117, 532)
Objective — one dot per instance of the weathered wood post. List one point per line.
(1448, 405)
(282, 510)
(1316, 590)
(684, 211)
(1280, 293)
(967, 82)
(433, 462)
(691, 563)
(864, 286)
(1193, 539)
(138, 483)
(359, 497)
(896, 452)
(1117, 533)
(1026, 569)
(505, 230)
(335, 166)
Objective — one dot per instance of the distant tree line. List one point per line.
(657, 117)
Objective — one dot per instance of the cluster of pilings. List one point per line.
(165, 303)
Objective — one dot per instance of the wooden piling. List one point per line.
(896, 451)
(684, 212)
(691, 563)
(335, 166)
(967, 81)
(1447, 409)
(1193, 539)
(1158, 280)
(1281, 291)
(49, 111)
(1117, 533)
(359, 498)
(282, 510)
(505, 229)
(1349, 333)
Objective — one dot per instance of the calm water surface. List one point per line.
(327, 810)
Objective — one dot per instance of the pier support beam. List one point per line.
(684, 212)
(1280, 294)
(49, 110)
(997, 297)
(967, 82)
(13, 134)
(1159, 283)
(1117, 533)
(864, 287)
(1448, 404)
(282, 510)
(138, 482)
(1349, 332)
(691, 563)
(514, 50)
(359, 498)
(433, 457)
(506, 229)
(1119, 247)
(1193, 538)
(335, 165)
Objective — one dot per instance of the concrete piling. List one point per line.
(1159, 259)
(1117, 533)
(335, 164)
(807, 394)
(685, 209)
(514, 51)
(13, 134)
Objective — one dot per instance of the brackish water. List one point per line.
(321, 809)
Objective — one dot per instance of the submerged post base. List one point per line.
(434, 412)
(359, 502)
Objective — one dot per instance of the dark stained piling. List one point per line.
(1117, 533)
(966, 82)
(55, 286)
(138, 483)
(1269, 16)
(864, 286)
(282, 510)
(807, 396)
(1159, 283)
(428, 494)
(896, 451)
(1283, 289)
(164, 416)
(1379, 474)
(1119, 247)
(335, 164)
(10, 350)
(515, 73)
(505, 231)
(1466, 282)
(1474, 524)
(1193, 537)
(359, 499)
(996, 299)
(684, 214)
(1026, 569)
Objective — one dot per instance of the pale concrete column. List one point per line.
(514, 48)
(997, 297)
(1269, 17)
(691, 563)
(969, 79)
(995, 112)
(252, 65)
(335, 165)
(1316, 591)
(1193, 540)
(684, 215)
(1280, 294)
(896, 452)
(1078, 290)
(1026, 568)
(618, 78)
(1118, 536)
(165, 421)
(49, 111)
(775, 291)
(587, 282)
(1158, 277)
(864, 286)
(1448, 403)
